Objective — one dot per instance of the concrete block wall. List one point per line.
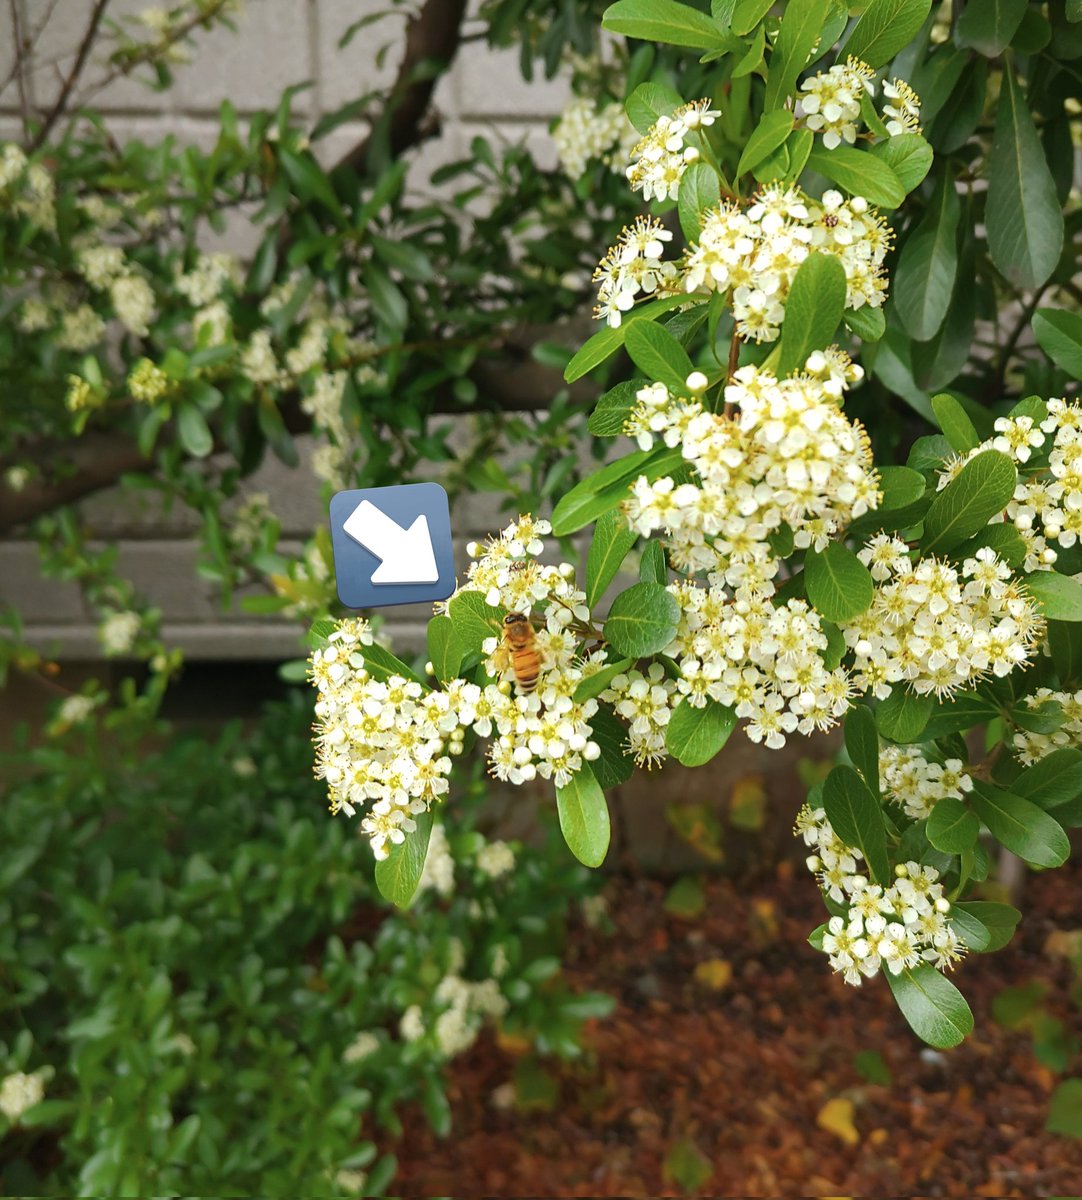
(278, 43)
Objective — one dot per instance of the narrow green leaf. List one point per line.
(607, 341)
(194, 432)
(839, 585)
(748, 14)
(594, 685)
(445, 648)
(963, 711)
(658, 355)
(801, 25)
(695, 735)
(1053, 781)
(862, 744)
(700, 190)
(642, 620)
(768, 135)
(989, 26)
(952, 827)
(1000, 920)
(652, 566)
(813, 310)
(926, 270)
(648, 102)
(1065, 1103)
(884, 28)
(935, 1009)
(859, 173)
(584, 817)
(612, 539)
(1059, 334)
(474, 620)
(613, 409)
(982, 489)
(955, 423)
(1022, 213)
(665, 21)
(1059, 595)
(613, 766)
(856, 816)
(908, 155)
(971, 930)
(1021, 826)
(399, 873)
(607, 488)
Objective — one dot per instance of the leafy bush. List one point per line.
(786, 581)
(202, 982)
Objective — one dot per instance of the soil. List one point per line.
(754, 1087)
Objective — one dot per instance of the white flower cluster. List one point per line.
(830, 103)
(26, 188)
(897, 927)
(633, 266)
(662, 156)
(107, 269)
(645, 702)
(205, 282)
(755, 252)
(20, 1091)
(1047, 503)
(939, 627)
(495, 859)
(1031, 747)
(387, 742)
(466, 1006)
(917, 784)
(587, 131)
(119, 631)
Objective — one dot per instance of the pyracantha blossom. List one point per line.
(918, 784)
(589, 132)
(661, 157)
(903, 112)
(830, 101)
(632, 267)
(1031, 747)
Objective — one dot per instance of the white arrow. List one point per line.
(407, 554)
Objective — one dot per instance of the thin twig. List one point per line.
(83, 53)
(19, 67)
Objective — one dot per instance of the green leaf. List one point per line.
(388, 302)
(884, 28)
(952, 827)
(1059, 334)
(1065, 643)
(1059, 595)
(665, 21)
(748, 14)
(652, 566)
(1004, 539)
(659, 355)
(607, 488)
(859, 173)
(474, 620)
(963, 711)
(813, 310)
(999, 920)
(612, 767)
(381, 664)
(989, 26)
(194, 432)
(613, 409)
(768, 135)
(584, 817)
(1022, 213)
(1065, 1105)
(612, 539)
(642, 620)
(700, 190)
(982, 489)
(695, 735)
(445, 648)
(1021, 826)
(1053, 781)
(862, 744)
(839, 585)
(901, 487)
(594, 685)
(903, 715)
(399, 873)
(648, 102)
(607, 341)
(924, 276)
(869, 324)
(968, 928)
(908, 155)
(955, 423)
(801, 25)
(856, 816)
(935, 1009)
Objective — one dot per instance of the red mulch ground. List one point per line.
(745, 1071)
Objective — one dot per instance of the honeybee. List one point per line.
(518, 649)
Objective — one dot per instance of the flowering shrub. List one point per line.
(788, 581)
(185, 943)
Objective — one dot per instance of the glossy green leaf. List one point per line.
(658, 355)
(613, 409)
(194, 432)
(398, 875)
(642, 620)
(813, 310)
(700, 190)
(695, 735)
(952, 826)
(903, 715)
(594, 685)
(859, 173)
(926, 269)
(982, 489)
(838, 584)
(1021, 826)
(999, 921)
(584, 817)
(989, 25)
(1022, 213)
(613, 766)
(1060, 596)
(908, 155)
(856, 816)
(445, 648)
(935, 1009)
(964, 710)
(665, 21)
(653, 567)
(607, 341)
(612, 539)
(1059, 333)
(955, 423)
(1053, 781)
(772, 130)
(801, 25)
(475, 620)
(607, 488)
(648, 102)
(862, 744)
(884, 28)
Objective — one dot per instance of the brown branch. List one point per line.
(19, 67)
(83, 53)
(432, 37)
